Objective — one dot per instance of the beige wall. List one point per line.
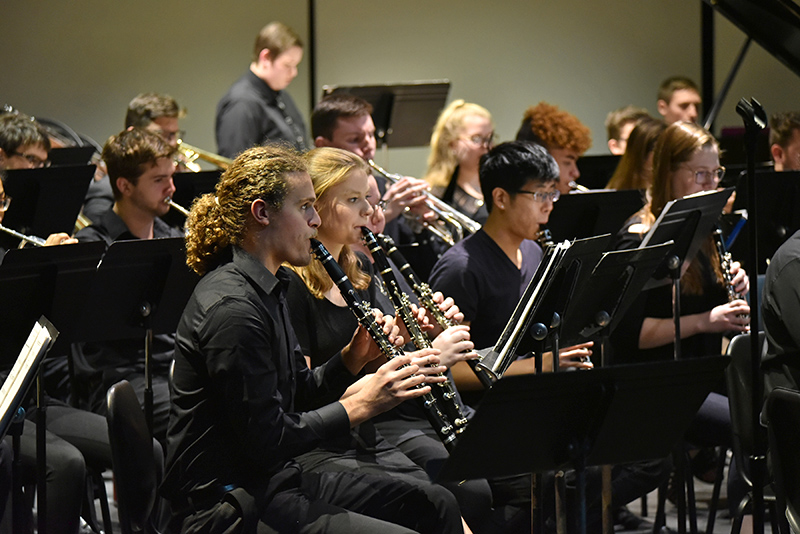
(82, 61)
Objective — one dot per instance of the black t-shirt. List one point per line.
(485, 283)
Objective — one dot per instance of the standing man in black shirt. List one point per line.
(244, 402)
(256, 108)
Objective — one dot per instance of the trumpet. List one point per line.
(191, 154)
(180, 209)
(443, 210)
(32, 239)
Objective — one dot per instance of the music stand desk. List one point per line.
(537, 423)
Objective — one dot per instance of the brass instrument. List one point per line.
(26, 239)
(425, 296)
(444, 211)
(444, 429)
(177, 207)
(192, 154)
(444, 392)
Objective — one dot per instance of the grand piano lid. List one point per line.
(774, 24)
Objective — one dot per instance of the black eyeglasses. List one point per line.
(5, 201)
(35, 161)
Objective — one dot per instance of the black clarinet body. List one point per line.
(425, 296)
(444, 392)
(440, 423)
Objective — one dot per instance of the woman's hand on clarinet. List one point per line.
(455, 345)
(740, 280)
(732, 316)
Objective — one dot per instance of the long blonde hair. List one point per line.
(329, 167)
(442, 160)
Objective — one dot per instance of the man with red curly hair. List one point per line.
(564, 136)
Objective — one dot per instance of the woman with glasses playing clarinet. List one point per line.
(324, 324)
(712, 302)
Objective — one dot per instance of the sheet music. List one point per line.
(35, 347)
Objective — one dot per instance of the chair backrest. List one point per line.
(132, 458)
(783, 410)
(740, 389)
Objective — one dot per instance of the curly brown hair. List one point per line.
(552, 127)
(219, 220)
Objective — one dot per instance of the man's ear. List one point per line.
(124, 185)
(777, 153)
(264, 56)
(260, 212)
(663, 106)
(500, 198)
(320, 141)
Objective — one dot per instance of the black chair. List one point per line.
(783, 413)
(740, 388)
(136, 463)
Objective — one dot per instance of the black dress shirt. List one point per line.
(251, 114)
(240, 385)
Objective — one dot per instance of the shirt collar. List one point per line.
(263, 88)
(255, 271)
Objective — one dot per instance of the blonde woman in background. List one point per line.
(463, 133)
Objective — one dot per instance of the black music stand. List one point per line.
(189, 186)
(12, 415)
(71, 155)
(687, 222)
(580, 419)
(596, 171)
(580, 215)
(599, 302)
(45, 201)
(777, 201)
(140, 289)
(404, 114)
(50, 281)
(577, 264)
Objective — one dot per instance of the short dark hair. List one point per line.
(18, 130)
(782, 127)
(129, 154)
(335, 106)
(147, 107)
(512, 164)
(276, 37)
(675, 83)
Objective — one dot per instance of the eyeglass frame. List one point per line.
(5, 202)
(479, 140)
(717, 175)
(36, 161)
(542, 196)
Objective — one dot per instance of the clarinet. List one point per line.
(725, 261)
(444, 429)
(444, 392)
(425, 296)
